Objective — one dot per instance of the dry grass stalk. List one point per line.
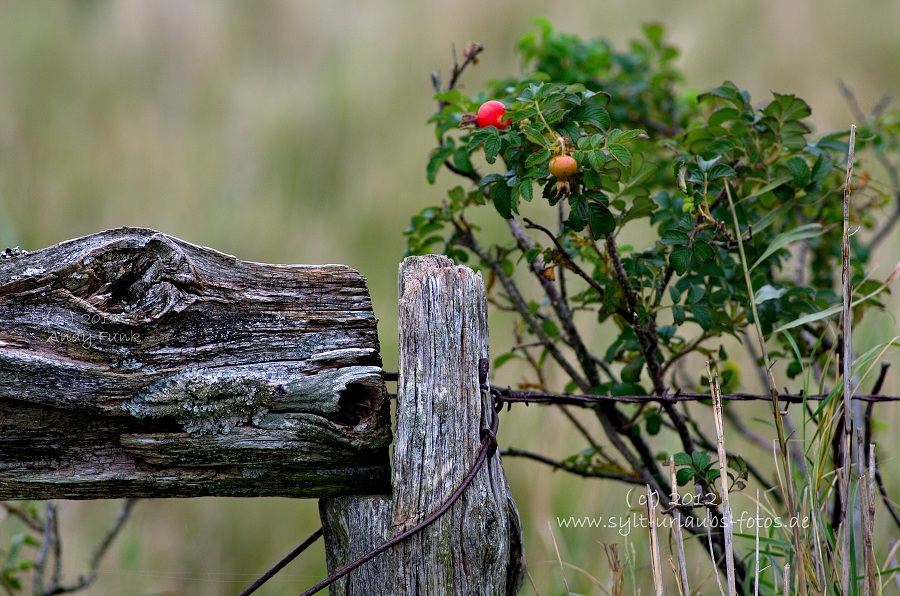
(617, 572)
(655, 563)
(867, 517)
(756, 550)
(712, 553)
(727, 517)
(682, 575)
(562, 567)
(846, 361)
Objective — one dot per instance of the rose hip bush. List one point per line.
(640, 198)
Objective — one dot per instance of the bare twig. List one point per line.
(470, 56)
(22, 514)
(465, 239)
(84, 581)
(649, 342)
(574, 267)
(581, 428)
(607, 413)
(560, 307)
(560, 465)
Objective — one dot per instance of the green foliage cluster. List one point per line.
(648, 156)
(697, 180)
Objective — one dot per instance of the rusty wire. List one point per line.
(509, 396)
(488, 449)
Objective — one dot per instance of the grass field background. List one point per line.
(294, 132)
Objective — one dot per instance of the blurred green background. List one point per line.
(294, 132)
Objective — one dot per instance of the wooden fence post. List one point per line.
(475, 548)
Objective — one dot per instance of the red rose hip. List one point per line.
(490, 114)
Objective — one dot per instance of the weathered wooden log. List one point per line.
(133, 364)
(475, 548)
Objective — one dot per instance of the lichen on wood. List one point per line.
(136, 364)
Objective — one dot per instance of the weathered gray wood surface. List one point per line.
(476, 547)
(135, 364)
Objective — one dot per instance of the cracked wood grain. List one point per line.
(475, 548)
(133, 364)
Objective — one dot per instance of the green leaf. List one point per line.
(534, 133)
(703, 315)
(787, 107)
(550, 328)
(680, 259)
(767, 188)
(449, 96)
(683, 476)
(812, 230)
(773, 215)
(631, 372)
(682, 459)
(675, 294)
(578, 213)
(541, 157)
(490, 179)
(704, 252)
(640, 207)
(678, 314)
(700, 459)
(721, 170)
(502, 198)
(531, 254)
(675, 236)
(821, 168)
(799, 170)
(794, 369)
(723, 115)
(768, 292)
(619, 136)
(600, 219)
(457, 196)
(729, 92)
(826, 313)
(706, 165)
(695, 294)
(504, 358)
(492, 146)
(477, 138)
(525, 189)
(437, 159)
(718, 147)
(592, 111)
(654, 422)
(596, 158)
(620, 153)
